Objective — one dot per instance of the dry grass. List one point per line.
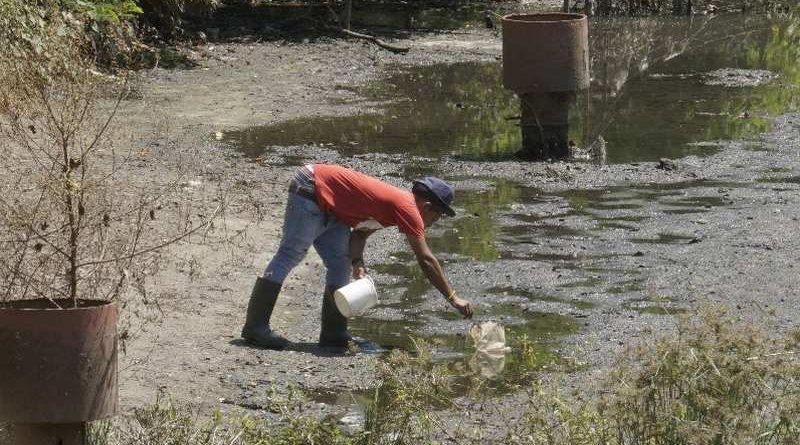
(715, 383)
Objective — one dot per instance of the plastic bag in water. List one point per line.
(489, 337)
(490, 342)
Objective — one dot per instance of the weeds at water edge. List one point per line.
(714, 382)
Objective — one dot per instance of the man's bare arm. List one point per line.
(435, 274)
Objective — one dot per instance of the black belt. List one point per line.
(303, 192)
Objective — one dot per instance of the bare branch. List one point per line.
(153, 248)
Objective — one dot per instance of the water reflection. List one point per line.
(535, 335)
(411, 279)
(615, 204)
(388, 334)
(474, 235)
(648, 97)
(641, 114)
(488, 365)
(432, 110)
(532, 350)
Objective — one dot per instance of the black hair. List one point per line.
(422, 192)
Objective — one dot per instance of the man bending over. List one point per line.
(336, 209)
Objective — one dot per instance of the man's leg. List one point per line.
(303, 222)
(333, 248)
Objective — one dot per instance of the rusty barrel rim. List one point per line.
(545, 52)
(544, 17)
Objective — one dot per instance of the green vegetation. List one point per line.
(714, 382)
(105, 10)
(781, 54)
(165, 14)
(110, 29)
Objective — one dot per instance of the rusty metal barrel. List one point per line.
(58, 368)
(545, 61)
(545, 52)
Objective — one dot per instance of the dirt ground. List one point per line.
(741, 252)
(194, 354)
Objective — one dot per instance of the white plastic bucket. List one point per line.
(356, 297)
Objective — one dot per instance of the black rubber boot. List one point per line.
(256, 328)
(334, 325)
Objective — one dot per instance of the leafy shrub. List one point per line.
(105, 10)
(164, 15)
(116, 29)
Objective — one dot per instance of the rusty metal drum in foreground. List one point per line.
(545, 52)
(57, 365)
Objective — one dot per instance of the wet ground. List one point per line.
(578, 258)
(690, 98)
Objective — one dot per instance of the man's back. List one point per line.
(355, 199)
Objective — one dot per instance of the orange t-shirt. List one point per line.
(361, 201)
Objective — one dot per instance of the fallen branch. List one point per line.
(377, 41)
(774, 354)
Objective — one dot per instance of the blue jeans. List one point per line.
(306, 224)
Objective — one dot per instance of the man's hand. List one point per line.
(359, 271)
(463, 306)
(358, 239)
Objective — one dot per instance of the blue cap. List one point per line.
(441, 191)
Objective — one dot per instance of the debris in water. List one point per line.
(489, 337)
(490, 342)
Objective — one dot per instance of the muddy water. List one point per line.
(700, 84)
(533, 338)
(508, 221)
(476, 237)
(425, 111)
